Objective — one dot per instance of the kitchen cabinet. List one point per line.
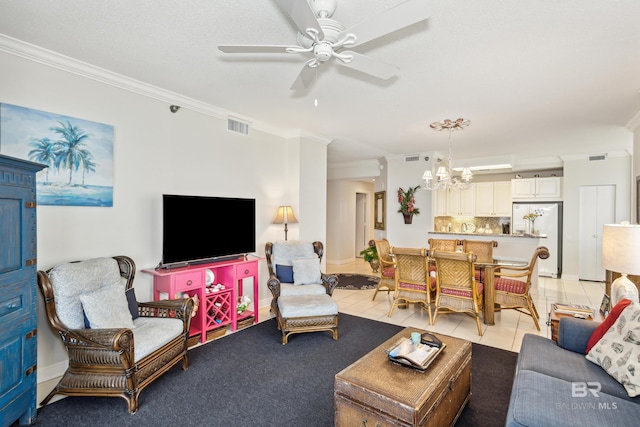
(439, 202)
(493, 199)
(548, 188)
(461, 202)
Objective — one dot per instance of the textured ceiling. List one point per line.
(537, 78)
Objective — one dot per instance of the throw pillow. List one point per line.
(607, 323)
(132, 302)
(284, 273)
(107, 307)
(618, 352)
(306, 271)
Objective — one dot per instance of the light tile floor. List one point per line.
(510, 325)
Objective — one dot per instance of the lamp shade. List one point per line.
(621, 248)
(285, 216)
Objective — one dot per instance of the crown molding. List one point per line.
(70, 65)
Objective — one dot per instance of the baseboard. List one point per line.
(52, 371)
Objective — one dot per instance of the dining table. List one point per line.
(488, 279)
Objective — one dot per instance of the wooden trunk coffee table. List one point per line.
(374, 391)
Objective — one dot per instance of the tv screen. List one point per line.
(198, 229)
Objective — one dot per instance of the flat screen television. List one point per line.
(198, 229)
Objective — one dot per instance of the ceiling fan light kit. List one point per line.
(324, 38)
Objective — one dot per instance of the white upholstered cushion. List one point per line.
(285, 251)
(306, 271)
(151, 333)
(72, 279)
(107, 307)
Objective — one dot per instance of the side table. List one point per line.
(554, 319)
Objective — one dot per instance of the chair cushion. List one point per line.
(462, 292)
(107, 307)
(69, 280)
(132, 302)
(284, 273)
(285, 251)
(510, 285)
(289, 289)
(308, 305)
(417, 287)
(306, 271)
(389, 272)
(152, 333)
(618, 352)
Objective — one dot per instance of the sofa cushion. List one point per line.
(542, 355)
(541, 400)
(306, 271)
(106, 307)
(607, 323)
(618, 351)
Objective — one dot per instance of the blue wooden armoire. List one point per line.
(18, 303)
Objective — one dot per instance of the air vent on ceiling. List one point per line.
(597, 157)
(412, 158)
(235, 125)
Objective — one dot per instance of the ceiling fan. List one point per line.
(325, 38)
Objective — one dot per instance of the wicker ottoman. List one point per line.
(307, 313)
(374, 391)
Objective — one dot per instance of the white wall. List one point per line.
(158, 152)
(614, 170)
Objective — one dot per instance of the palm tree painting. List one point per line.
(78, 154)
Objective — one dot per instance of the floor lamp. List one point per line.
(285, 216)
(621, 254)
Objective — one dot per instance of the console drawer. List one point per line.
(187, 282)
(246, 270)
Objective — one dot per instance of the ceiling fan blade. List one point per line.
(368, 65)
(394, 19)
(255, 48)
(303, 16)
(306, 77)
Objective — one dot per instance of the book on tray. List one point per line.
(418, 356)
(572, 309)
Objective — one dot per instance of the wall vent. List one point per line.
(237, 126)
(412, 158)
(597, 157)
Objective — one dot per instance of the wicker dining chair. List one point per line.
(387, 270)
(413, 285)
(457, 291)
(513, 285)
(483, 250)
(449, 245)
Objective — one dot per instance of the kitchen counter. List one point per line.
(510, 247)
(489, 235)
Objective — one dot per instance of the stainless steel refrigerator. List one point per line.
(548, 225)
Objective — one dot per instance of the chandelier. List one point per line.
(444, 179)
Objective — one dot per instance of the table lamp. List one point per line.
(621, 254)
(285, 216)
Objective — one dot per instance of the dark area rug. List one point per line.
(357, 281)
(250, 379)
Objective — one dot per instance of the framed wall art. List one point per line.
(78, 154)
(380, 206)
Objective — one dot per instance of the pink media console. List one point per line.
(218, 285)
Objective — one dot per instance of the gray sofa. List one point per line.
(555, 385)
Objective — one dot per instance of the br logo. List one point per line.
(582, 389)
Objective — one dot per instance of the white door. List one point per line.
(362, 222)
(597, 207)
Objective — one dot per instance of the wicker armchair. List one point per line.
(457, 289)
(512, 286)
(300, 304)
(413, 285)
(387, 270)
(483, 250)
(105, 361)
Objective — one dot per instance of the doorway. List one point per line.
(362, 223)
(597, 207)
